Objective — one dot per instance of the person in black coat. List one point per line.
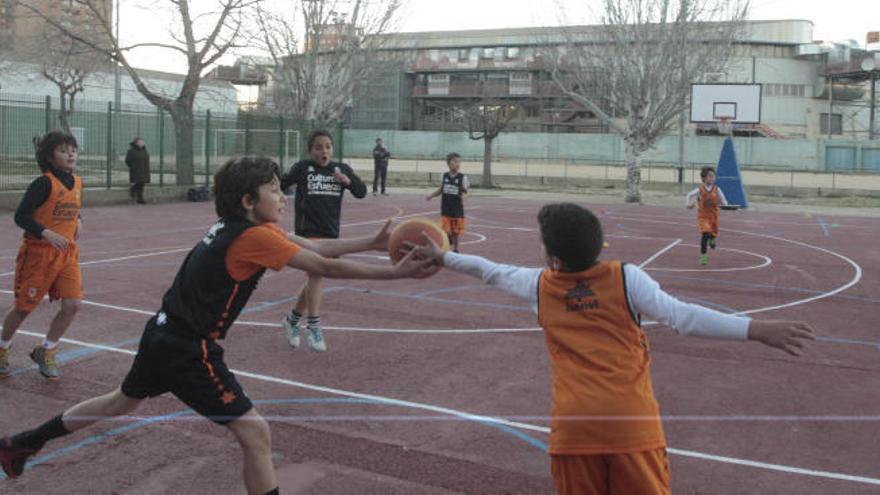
(380, 165)
(138, 161)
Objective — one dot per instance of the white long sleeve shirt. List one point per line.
(695, 194)
(643, 293)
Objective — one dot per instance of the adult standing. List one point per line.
(380, 166)
(138, 161)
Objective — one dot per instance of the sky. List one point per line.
(835, 21)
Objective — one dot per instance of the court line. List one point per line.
(767, 262)
(500, 421)
(658, 253)
(823, 225)
(856, 267)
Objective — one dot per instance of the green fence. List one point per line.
(104, 133)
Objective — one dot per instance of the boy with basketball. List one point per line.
(320, 184)
(178, 352)
(709, 198)
(606, 435)
(453, 188)
(48, 258)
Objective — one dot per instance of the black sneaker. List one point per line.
(12, 459)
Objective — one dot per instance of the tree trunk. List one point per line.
(183, 140)
(487, 163)
(633, 172)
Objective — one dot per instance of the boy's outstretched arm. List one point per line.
(312, 262)
(516, 280)
(339, 247)
(647, 298)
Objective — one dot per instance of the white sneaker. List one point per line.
(292, 332)
(315, 336)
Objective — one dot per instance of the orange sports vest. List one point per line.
(603, 401)
(710, 202)
(60, 211)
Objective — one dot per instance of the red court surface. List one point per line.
(404, 400)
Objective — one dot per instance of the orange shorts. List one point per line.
(41, 269)
(453, 226)
(633, 472)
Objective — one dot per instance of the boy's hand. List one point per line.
(431, 251)
(57, 241)
(410, 265)
(380, 241)
(790, 336)
(342, 178)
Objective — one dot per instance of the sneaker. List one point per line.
(712, 242)
(704, 259)
(316, 339)
(13, 460)
(4, 363)
(292, 332)
(45, 359)
(384, 193)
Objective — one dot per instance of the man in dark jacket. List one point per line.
(380, 165)
(138, 161)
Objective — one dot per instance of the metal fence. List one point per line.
(104, 133)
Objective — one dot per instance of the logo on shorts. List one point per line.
(161, 318)
(574, 298)
(32, 292)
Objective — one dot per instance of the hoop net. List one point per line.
(725, 125)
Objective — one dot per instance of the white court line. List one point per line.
(767, 262)
(494, 420)
(658, 253)
(856, 277)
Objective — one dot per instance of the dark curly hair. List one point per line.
(315, 135)
(240, 177)
(705, 171)
(45, 147)
(571, 233)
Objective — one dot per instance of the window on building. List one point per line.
(464, 54)
(836, 122)
(512, 52)
(488, 53)
(499, 53)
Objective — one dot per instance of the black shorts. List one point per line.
(192, 368)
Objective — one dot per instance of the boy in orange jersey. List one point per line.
(48, 259)
(709, 198)
(606, 435)
(179, 350)
(453, 188)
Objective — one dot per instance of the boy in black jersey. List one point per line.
(178, 352)
(320, 184)
(453, 188)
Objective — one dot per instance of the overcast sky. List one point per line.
(833, 20)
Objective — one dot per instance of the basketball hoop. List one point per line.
(725, 125)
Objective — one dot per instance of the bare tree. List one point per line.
(321, 49)
(640, 62)
(202, 37)
(67, 64)
(485, 119)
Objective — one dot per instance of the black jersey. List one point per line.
(453, 188)
(204, 297)
(318, 201)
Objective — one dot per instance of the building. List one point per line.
(429, 74)
(19, 23)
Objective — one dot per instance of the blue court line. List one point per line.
(287, 300)
(75, 354)
(36, 461)
(823, 225)
(445, 301)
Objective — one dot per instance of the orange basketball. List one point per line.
(411, 231)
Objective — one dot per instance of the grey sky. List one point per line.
(835, 21)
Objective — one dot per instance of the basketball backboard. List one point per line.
(741, 103)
